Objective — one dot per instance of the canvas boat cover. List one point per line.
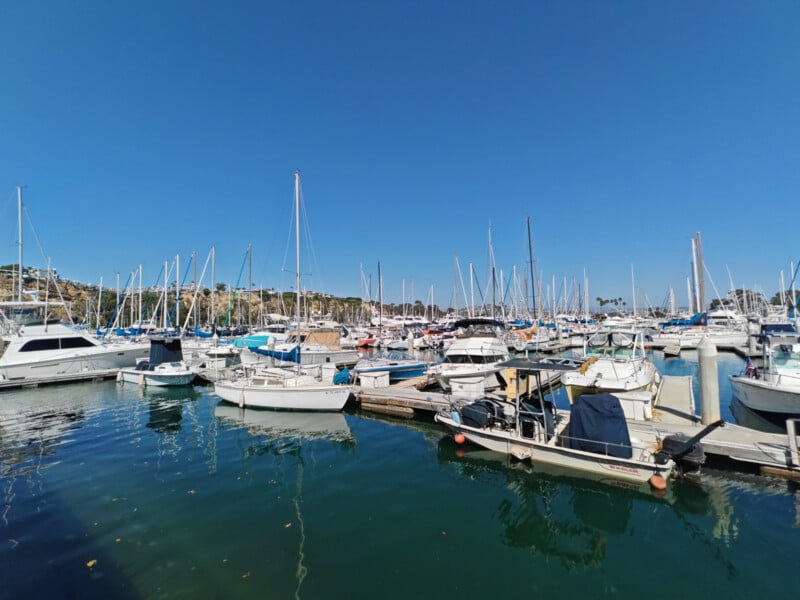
(597, 424)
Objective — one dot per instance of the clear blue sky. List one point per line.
(148, 129)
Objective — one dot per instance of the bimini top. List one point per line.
(165, 350)
(478, 322)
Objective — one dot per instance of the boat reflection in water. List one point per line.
(165, 406)
(571, 518)
(284, 432)
(746, 417)
(292, 425)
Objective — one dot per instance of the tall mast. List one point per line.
(19, 273)
(701, 275)
(212, 316)
(249, 285)
(533, 269)
(455, 284)
(140, 295)
(297, 247)
(178, 291)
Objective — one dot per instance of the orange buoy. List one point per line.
(658, 482)
(460, 439)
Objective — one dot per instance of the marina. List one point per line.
(217, 500)
(541, 343)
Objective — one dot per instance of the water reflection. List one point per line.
(277, 428)
(32, 427)
(757, 420)
(555, 513)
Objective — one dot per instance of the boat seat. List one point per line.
(534, 413)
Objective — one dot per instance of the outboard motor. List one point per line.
(689, 457)
(482, 413)
(686, 451)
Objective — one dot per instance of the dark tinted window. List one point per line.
(43, 344)
(76, 342)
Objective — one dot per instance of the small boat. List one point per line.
(399, 369)
(164, 367)
(775, 388)
(615, 361)
(474, 355)
(592, 437)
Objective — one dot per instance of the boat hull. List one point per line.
(276, 397)
(106, 358)
(156, 379)
(596, 465)
(765, 396)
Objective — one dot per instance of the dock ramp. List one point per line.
(674, 401)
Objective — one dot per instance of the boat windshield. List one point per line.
(786, 356)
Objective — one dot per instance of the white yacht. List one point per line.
(474, 355)
(615, 361)
(35, 346)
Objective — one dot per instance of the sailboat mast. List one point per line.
(380, 300)
(297, 247)
(19, 224)
(533, 270)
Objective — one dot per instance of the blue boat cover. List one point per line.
(342, 377)
(598, 425)
(292, 356)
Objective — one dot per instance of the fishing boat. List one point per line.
(299, 388)
(776, 387)
(474, 355)
(591, 437)
(615, 361)
(165, 366)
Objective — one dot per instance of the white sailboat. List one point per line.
(284, 388)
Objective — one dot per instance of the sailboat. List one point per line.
(309, 388)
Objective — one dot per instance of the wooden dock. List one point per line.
(409, 397)
(674, 412)
(32, 382)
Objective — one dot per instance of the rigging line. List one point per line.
(35, 235)
(311, 249)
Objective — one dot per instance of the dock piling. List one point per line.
(709, 382)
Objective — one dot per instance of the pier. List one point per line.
(673, 412)
(33, 382)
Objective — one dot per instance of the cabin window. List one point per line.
(43, 344)
(76, 342)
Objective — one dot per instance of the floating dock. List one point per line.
(673, 412)
(32, 382)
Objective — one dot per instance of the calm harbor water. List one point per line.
(113, 491)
